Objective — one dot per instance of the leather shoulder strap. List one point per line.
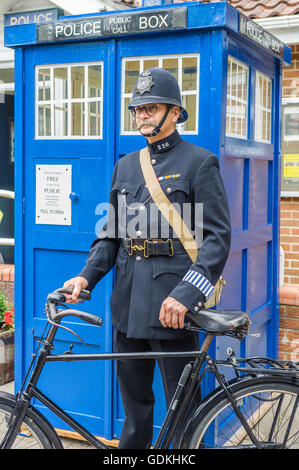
(164, 205)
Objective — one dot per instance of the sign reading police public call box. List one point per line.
(259, 35)
(53, 188)
(113, 25)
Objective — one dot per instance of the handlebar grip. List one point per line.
(88, 317)
(84, 294)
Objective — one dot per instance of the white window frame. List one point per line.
(237, 99)
(68, 100)
(260, 108)
(160, 58)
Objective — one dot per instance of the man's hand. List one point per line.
(78, 283)
(172, 313)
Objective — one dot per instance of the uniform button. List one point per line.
(123, 190)
(196, 309)
(138, 258)
(153, 161)
(142, 208)
(168, 190)
(138, 233)
(199, 304)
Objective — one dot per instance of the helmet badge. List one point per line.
(145, 82)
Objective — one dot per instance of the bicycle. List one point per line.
(258, 408)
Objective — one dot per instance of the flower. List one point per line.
(9, 317)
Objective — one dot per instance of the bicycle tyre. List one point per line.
(266, 402)
(35, 432)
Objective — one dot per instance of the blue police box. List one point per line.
(74, 80)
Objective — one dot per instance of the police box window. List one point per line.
(290, 149)
(263, 105)
(69, 100)
(237, 99)
(185, 68)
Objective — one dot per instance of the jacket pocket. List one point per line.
(126, 187)
(177, 264)
(172, 186)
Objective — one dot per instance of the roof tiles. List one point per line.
(251, 8)
(264, 8)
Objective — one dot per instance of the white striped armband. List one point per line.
(201, 282)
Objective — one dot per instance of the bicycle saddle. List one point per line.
(220, 321)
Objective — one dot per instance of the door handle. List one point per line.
(73, 196)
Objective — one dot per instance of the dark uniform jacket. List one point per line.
(187, 174)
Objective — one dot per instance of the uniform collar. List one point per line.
(165, 144)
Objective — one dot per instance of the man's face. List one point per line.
(149, 116)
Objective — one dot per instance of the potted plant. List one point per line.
(7, 314)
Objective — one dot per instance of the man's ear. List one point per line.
(176, 111)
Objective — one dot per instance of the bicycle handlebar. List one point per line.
(57, 297)
(88, 317)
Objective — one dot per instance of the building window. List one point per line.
(290, 148)
(237, 99)
(263, 105)
(69, 101)
(185, 68)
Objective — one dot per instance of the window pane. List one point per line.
(61, 119)
(189, 71)
(290, 146)
(60, 83)
(44, 85)
(129, 121)
(44, 120)
(78, 122)
(148, 64)
(172, 66)
(237, 99)
(189, 102)
(94, 118)
(77, 82)
(131, 75)
(7, 75)
(94, 81)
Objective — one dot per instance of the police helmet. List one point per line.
(157, 85)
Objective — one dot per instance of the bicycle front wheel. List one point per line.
(33, 433)
(269, 406)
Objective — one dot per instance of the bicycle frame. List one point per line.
(190, 379)
(172, 417)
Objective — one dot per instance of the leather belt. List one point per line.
(152, 247)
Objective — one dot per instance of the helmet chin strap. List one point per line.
(158, 127)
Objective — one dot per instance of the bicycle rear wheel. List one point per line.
(34, 432)
(270, 407)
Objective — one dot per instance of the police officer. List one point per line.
(156, 282)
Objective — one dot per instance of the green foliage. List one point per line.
(3, 306)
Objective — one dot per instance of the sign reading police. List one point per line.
(259, 35)
(113, 25)
(28, 17)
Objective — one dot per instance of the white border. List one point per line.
(69, 100)
(160, 58)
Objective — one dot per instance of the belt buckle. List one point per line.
(144, 249)
(171, 247)
(131, 249)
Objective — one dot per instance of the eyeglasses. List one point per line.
(150, 110)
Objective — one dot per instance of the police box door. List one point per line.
(69, 158)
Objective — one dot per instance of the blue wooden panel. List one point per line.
(258, 200)
(233, 170)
